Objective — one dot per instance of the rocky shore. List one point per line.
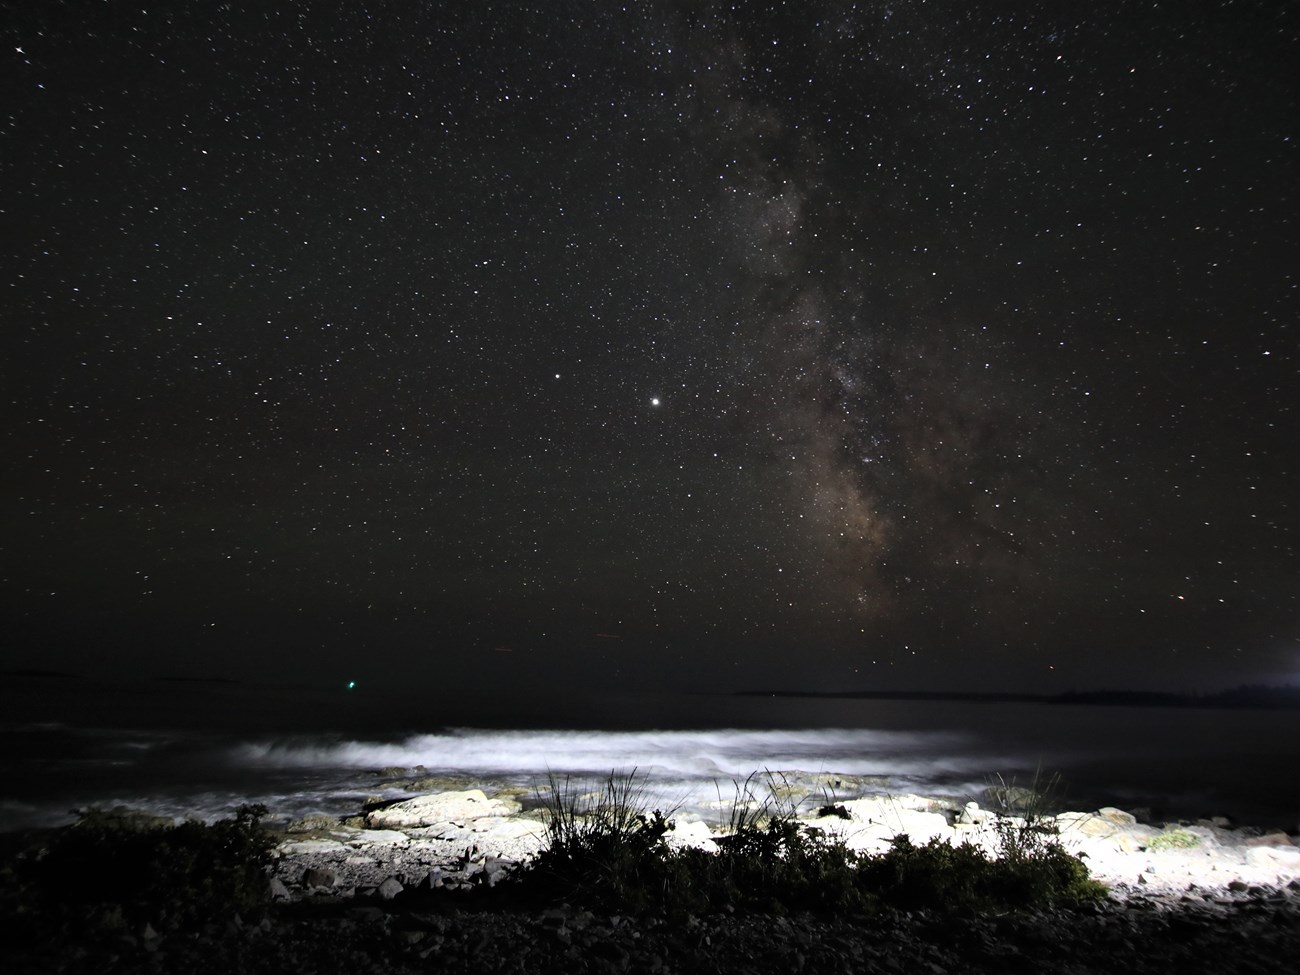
(392, 890)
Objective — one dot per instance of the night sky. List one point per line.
(833, 345)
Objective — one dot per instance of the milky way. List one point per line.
(874, 344)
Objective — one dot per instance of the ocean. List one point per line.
(202, 749)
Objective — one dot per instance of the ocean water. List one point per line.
(203, 749)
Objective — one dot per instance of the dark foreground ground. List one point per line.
(1255, 933)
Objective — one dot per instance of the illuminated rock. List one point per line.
(445, 807)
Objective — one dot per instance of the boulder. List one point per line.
(512, 829)
(1014, 798)
(696, 835)
(319, 877)
(1270, 839)
(389, 889)
(1287, 857)
(1128, 843)
(973, 815)
(495, 868)
(1134, 839)
(444, 807)
(312, 824)
(432, 880)
(1086, 824)
(888, 810)
(1117, 816)
(921, 827)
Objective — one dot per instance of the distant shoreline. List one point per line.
(1256, 698)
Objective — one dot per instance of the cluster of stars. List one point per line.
(906, 338)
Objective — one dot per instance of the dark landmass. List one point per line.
(1238, 697)
(1246, 696)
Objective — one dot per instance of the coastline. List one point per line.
(393, 888)
(439, 833)
(1247, 697)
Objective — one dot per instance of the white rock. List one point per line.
(886, 810)
(695, 835)
(1088, 824)
(973, 815)
(510, 828)
(455, 807)
(921, 827)
(1118, 816)
(307, 847)
(1269, 856)
(377, 837)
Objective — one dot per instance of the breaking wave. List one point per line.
(691, 764)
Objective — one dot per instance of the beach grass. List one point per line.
(607, 849)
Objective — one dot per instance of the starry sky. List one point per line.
(825, 344)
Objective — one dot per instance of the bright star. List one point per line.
(654, 401)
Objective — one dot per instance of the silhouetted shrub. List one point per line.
(607, 852)
(116, 870)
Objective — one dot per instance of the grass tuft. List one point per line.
(603, 846)
(605, 850)
(1174, 839)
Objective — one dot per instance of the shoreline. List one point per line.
(396, 889)
(447, 838)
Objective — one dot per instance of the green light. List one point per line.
(352, 684)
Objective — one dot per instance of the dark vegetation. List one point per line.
(121, 872)
(117, 871)
(606, 850)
